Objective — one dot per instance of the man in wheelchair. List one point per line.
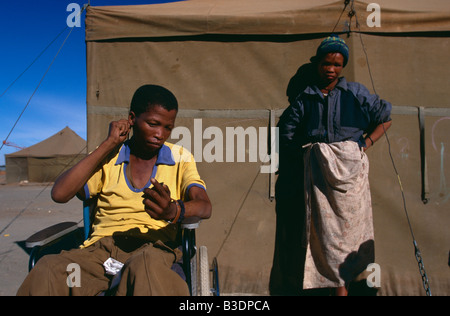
(144, 188)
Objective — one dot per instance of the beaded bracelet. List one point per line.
(177, 216)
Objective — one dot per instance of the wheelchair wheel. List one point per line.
(204, 287)
(215, 282)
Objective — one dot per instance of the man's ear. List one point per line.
(131, 118)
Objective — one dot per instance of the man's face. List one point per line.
(330, 67)
(152, 128)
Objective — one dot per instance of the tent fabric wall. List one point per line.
(235, 57)
(48, 169)
(16, 169)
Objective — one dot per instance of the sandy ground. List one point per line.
(25, 210)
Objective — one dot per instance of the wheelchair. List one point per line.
(202, 279)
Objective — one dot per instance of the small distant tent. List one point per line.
(43, 162)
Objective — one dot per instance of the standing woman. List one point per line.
(335, 122)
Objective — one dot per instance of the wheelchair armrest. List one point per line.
(191, 223)
(50, 234)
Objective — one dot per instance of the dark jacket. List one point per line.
(349, 112)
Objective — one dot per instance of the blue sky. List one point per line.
(27, 28)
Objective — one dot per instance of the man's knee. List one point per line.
(48, 277)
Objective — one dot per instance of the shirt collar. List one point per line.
(165, 156)
(313, 89)
(342, 84)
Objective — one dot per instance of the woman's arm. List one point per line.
(72, 181)
(376, 134)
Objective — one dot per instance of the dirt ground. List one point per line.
(24, 210)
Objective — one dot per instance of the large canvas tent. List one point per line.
(43, 162)
(230, 62)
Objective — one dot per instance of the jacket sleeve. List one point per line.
(377, 110)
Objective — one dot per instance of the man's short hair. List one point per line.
(152, 95)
